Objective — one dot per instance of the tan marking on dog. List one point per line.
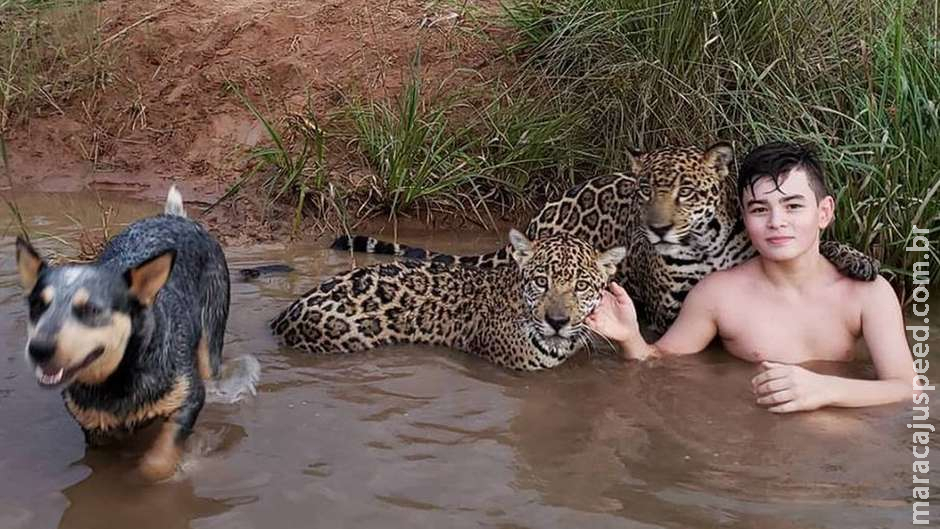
(47, 295)
(81, 297)
(161, 460)
(202, 359)
(93, 419)
(77, 341)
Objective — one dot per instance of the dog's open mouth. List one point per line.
(50, 377)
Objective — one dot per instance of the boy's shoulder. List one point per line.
(746, 273)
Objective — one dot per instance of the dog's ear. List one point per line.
(28, 263)
(148, 278)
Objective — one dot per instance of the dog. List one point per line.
(134, 336)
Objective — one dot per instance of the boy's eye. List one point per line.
(794, 206)
(758, 210)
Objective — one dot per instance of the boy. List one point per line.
(787, 305)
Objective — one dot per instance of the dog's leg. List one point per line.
(97, 438)
(203, 363)
(161, 460)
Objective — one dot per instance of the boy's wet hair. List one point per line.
(775, 159)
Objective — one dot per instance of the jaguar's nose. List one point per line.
(557, 322)
(661, 229)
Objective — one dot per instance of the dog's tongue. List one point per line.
(48, 378)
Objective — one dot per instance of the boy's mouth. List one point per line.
(50, 377)
(779, 241)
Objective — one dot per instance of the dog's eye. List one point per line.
(87, 311)
(36, 307)
(582, 285)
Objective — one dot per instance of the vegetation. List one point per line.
(50, 50)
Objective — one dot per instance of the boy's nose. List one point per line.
(41, 351)
(776, 220)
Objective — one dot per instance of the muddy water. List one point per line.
(412, 436)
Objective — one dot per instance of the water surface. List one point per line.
(425, 437)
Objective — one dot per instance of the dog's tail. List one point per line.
(174, 203)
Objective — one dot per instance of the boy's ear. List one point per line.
(827, 211)
(521, 246)
(145, 280)
(28, 264)
(609, 260)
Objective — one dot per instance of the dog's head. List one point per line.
(81, 316)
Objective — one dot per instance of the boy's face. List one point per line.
(784, 223)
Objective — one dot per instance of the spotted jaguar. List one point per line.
(526, 316)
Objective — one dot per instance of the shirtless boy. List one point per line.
(786, 306)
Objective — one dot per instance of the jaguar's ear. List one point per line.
(635, 158)
(609, 260)
(521, 247)
(720, 156)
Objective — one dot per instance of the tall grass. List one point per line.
(50, 50)
(859, 80)
(410, 147)
(464, 151)
(291, 165)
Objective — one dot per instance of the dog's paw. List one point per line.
(159, 466)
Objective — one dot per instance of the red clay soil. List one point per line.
(165, 115)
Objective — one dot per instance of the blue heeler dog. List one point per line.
(132, 336)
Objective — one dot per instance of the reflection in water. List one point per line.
(414, 436)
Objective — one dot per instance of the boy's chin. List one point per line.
(782, 254)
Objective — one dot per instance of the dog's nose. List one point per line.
(661, 230)
(557, 322)
(41, 351)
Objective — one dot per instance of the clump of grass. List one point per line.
(292, 166)
(49, 51)
(463, 152)
(414, 150)
(859, 80)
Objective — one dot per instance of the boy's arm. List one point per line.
(787, 388)
(693, 330)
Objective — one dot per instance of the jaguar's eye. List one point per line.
(582, 286)
(686, 192)
(541, 282)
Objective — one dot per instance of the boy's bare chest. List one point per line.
(814, 329)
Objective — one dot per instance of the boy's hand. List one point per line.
(788, 388)
(615, 316)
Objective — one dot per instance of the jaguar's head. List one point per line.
(562, 281)
(686, 195)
